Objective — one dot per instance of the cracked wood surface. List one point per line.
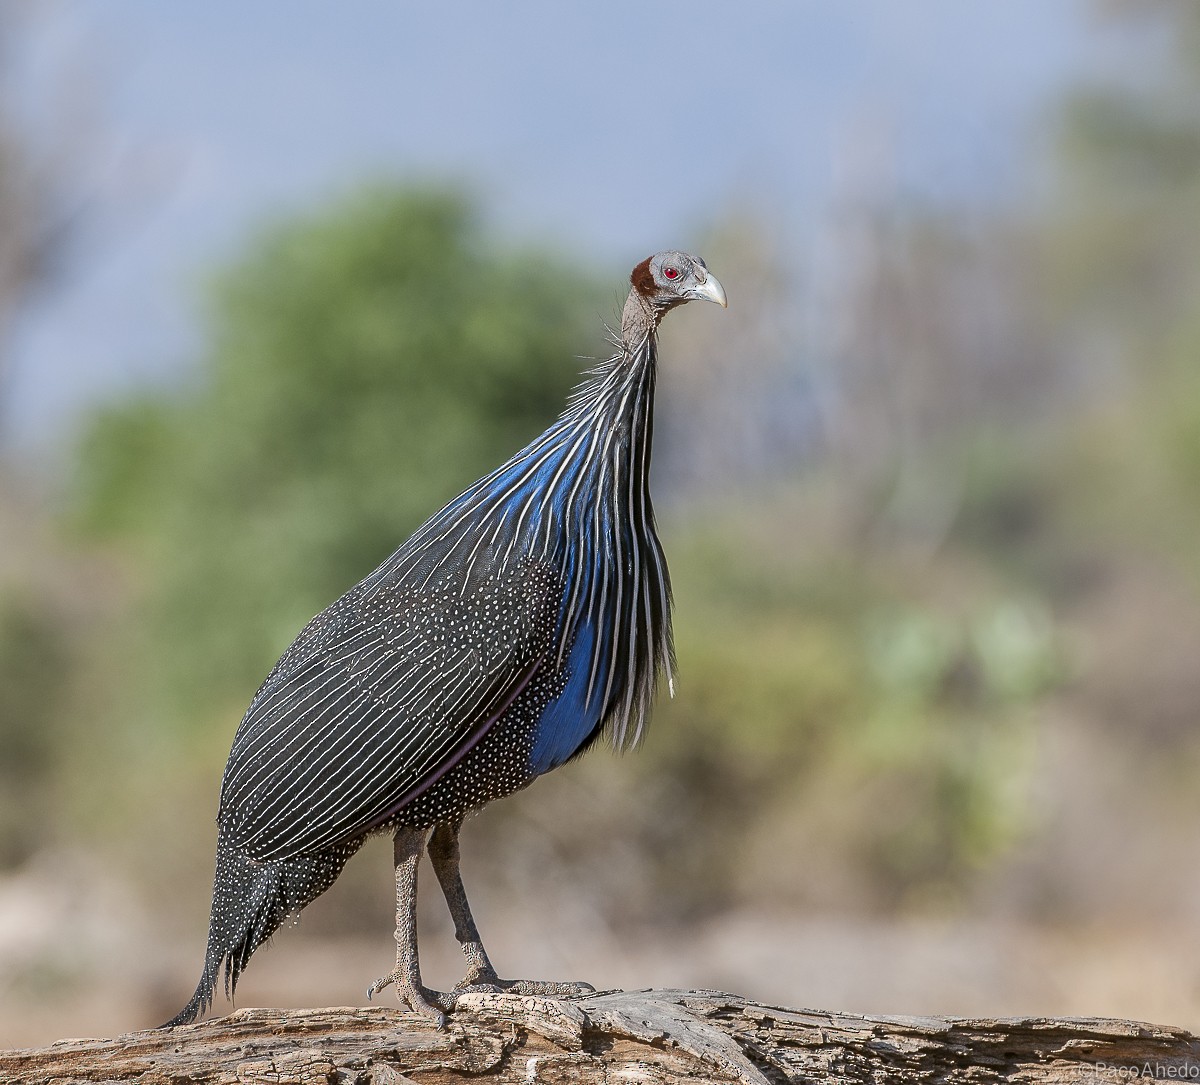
(613, 1037)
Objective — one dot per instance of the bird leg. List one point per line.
(407, 845)
(443, 854)
(481, 976)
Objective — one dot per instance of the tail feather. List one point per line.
(250, 902)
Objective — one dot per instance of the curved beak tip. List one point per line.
(712, 290)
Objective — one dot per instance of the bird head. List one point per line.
(667, 279)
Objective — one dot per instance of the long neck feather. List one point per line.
(577, 498)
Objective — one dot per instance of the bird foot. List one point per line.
(550, 990)
(544, 989)
(436, 1004)
(420, 999)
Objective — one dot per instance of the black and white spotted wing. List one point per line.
(380, 694)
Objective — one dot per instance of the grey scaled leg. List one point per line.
(407, 845)
(443, 854)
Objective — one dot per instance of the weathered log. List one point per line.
(620, 1036)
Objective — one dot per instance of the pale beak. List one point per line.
(711, 290)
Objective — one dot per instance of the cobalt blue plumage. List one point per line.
(500, 641)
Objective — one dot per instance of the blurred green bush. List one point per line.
(364, 364)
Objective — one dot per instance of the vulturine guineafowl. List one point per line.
(515, 626)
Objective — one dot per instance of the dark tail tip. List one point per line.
(239, 889)
(200, 1002)
(250, 901)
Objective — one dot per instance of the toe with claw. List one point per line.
(420, 999)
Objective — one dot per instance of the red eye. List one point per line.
(671, 272)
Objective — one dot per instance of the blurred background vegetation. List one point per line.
(932, 510)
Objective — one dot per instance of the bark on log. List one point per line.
(619, 1036)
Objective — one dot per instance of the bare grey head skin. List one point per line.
(661, 282)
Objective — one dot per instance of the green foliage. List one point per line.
(365, 363)
(33, 661)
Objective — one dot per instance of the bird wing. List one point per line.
(380, 695)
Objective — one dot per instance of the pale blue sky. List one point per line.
(621, 127)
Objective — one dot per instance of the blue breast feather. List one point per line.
(568, 720)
